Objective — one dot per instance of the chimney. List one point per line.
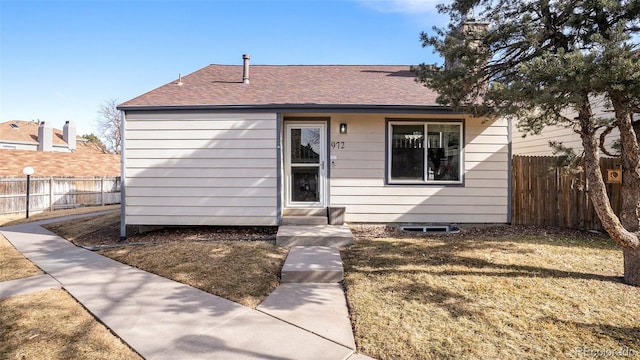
(45, 137)
(69, 134)
(245, 68)
(471, 31)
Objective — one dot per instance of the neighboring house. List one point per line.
(220, 147)
(34, 135)
(538, 145)
(58, 164)
(51, 152)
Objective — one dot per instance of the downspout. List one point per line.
(123, 197)
(278, 168)
(509, 170)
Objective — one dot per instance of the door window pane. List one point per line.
(305, 146)
(304, 184)
(407, 152)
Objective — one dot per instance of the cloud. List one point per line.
(402, 6)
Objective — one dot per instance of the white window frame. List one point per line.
(425, 181)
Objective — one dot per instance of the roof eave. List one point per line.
(298, 108)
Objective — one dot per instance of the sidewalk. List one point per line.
(161, 318)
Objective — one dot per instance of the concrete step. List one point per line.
(314, 235)
(304, 220)
(312, 264)
(304, 212)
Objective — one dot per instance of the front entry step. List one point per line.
(312, 264)
(304, 216)
(314, 235)
(304, 220)
(304, 212)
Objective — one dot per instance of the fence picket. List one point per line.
(554, 198)
(53, 193)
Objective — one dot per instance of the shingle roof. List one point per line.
(270, 85)
(27, 131)
(51, 163)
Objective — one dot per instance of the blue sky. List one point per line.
(59, 60)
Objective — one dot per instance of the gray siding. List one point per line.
(186, 168)
(538, 145)
(358, 173)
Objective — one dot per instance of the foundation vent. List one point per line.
(433, 229)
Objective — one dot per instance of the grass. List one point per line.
(12, 264)
(242, 271)
(52, 325)
(49, 324)
(93, 230)
(487, 293)
(507, 296)
(17, 219)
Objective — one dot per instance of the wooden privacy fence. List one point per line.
(546, 195)
(52, 193)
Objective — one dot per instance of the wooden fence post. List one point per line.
(51, 193)
(102, 191)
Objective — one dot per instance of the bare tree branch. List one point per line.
(108, 123)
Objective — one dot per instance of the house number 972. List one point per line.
(337, 145)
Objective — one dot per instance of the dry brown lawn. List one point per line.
(17, 219)
(12, 264)
(245, 270)
(523, 294)
(501, 293)
(52, 325)
(49, 324)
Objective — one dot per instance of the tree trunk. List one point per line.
(632, 266)
(598, 194)
(630, 157)
(630, 193)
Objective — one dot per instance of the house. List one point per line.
(538, 145)
(38, 135)
(51, 152)
(245, 145)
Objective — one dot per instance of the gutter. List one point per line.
(432, 109)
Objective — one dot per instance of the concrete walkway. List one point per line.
(163, 319)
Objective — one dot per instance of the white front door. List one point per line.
(305, 169)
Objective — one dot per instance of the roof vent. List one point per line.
(14, 126)
(245, 68)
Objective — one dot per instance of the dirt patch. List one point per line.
(495, 232)
(104, 230)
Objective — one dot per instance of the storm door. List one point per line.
(305, 169)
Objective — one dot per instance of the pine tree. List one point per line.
(535, 62)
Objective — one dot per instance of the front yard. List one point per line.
(490, 294)
(49, 324)
(499, 292)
